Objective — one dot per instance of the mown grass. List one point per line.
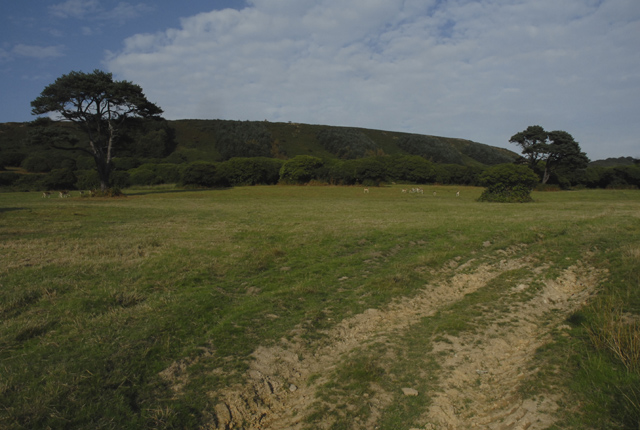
(99, 296)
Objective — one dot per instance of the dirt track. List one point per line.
(482, 371)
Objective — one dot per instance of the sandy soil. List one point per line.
(483, 371)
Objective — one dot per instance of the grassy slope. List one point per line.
(97, 297)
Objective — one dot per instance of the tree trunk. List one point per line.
(104, 171)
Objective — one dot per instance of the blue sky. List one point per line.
(475, 69)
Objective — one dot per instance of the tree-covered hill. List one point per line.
(218, 140)
(223, 153)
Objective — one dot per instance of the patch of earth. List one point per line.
(480, 389)
(487, 369)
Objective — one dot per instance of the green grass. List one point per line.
(98, 296)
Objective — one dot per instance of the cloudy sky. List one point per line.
(476, 69)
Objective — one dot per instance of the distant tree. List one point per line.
(533, 142)
(508, 183)
(549, 151)
(563, 152)
(100, 106)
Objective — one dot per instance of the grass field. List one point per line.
(175, 309)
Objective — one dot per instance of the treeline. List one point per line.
(303, 169)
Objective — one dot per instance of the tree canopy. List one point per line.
(549, 151)
(99, 106)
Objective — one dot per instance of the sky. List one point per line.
(481, 70)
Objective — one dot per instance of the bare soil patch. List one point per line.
(482, 370)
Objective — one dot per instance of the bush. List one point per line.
(369, 171)
(300, 169)
(250, 171)
(508, 183)
(12, 159)
(119, 180)
(59, 179)
(36, 164)
(87, 180)
(144, 175)
(28, 183)
(200, 175)
(8, 178)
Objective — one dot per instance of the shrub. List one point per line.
(59, 179)
(199, 175)
(369, 171)
(250, 171)
(144, 175)
(8, 178)
(11, 159)
(120, 180)
(36, 164)
(300, 169)
(87, 180)
(508, 183)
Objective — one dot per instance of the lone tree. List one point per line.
(549, 151)
(99, 106)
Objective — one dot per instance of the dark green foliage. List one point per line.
(508, 183)
(250, 171)
(549, 151)
(144, 175)
(410, 168)
(28, 183)
(169, 173)
(611, 177)
(370, 171)
(87, 180)
(450, 174)
(300, 169)
(100, 107)
(146, 138)
(533, 142)
(120, 180)
(242, 139)
(200, 175)
(36, 163)
(486, 154)
(11, 158)
(59, 179)
(614, 162)
(338, 172)
(430, 147)
(346, 143)
(8, 178)
(126, 163)
(154, 174)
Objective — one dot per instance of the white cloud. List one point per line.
(95, 10)
(39, 52)
(482, 70)
(75, 8)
